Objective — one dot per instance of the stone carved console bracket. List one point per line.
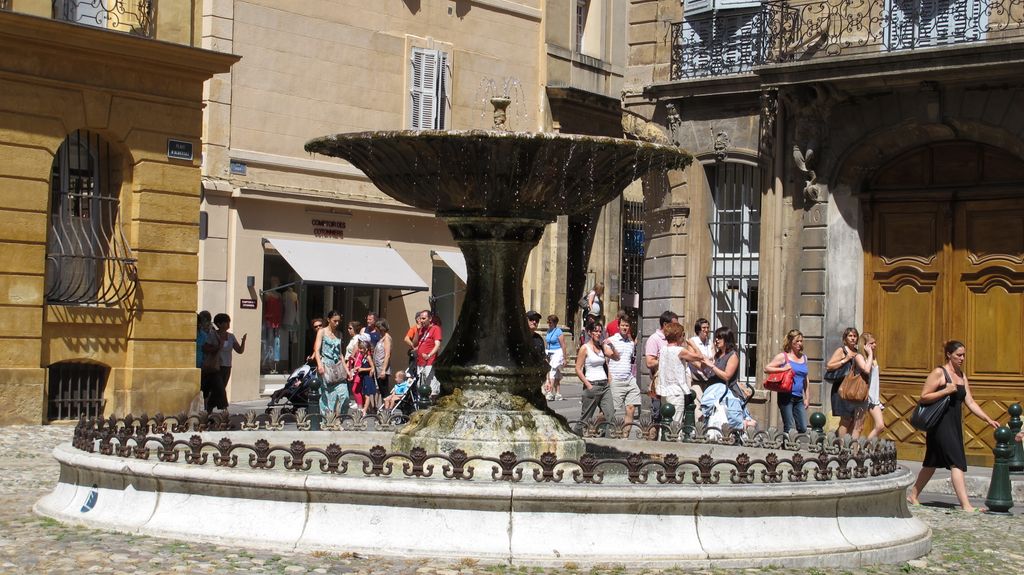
(811, 109)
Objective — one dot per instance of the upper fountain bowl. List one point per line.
(499, 173)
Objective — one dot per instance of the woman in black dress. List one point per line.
(945, 442)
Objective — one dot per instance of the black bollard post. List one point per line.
(1000, 495)
(689, 421)
(668, 411)
(818, 421)
(1017, 459)
(313, 404)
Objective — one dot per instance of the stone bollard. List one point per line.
(1017, 459)
(1000, 496)
(818, 421)
(313, 404)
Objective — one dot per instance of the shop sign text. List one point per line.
(332, 229)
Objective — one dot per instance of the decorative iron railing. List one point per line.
(729, 42)
(144, 438)
(130, 16)
(88, 260)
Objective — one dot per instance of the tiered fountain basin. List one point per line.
(782, 501)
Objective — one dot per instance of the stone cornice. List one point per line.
(992, 58)
(63, 38)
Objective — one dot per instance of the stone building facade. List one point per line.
(860, 164)
(99, 110)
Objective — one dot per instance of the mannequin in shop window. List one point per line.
(289, 325)
(273, 310)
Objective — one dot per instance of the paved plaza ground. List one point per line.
(963, 543)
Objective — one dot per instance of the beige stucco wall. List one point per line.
(135, 94)
(413, 237)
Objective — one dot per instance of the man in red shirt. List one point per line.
(428, 344)
(613, 326)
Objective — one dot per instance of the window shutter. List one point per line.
(691, 7)
(902, 23)
(730, 4)
(424, 88)
(89, 13)
(444, 91)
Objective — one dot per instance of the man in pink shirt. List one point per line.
(652, 349)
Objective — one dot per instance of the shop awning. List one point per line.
(348, 265)
(455, 261)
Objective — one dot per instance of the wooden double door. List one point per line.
(946, 265)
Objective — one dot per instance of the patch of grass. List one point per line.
(49, 522)
(570, 566)
(467, 562)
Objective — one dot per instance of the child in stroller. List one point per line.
(398, 392)
(295, 393)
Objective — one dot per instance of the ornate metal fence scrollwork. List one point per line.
(130, 16)
(727, 42)
(830, 459)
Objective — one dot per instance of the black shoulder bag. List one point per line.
(927, 416)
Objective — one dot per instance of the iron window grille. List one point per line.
(735, 231)
(75, 389)
(132, 17)
(632, 247)
(88, 261)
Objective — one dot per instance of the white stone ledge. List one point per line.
(836, 523)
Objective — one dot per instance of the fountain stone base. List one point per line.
(489, 422)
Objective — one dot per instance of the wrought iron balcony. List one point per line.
(733, 41)
(129, 16)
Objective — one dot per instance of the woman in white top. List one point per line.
(594, 302)
(674, 379)
(590, 368)
(868, 346)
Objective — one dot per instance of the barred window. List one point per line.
(632, 247)
(87, 258)
(735, 234)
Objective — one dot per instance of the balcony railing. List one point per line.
(129, 16)
(729, 42)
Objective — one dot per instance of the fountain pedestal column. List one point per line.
(490, 372)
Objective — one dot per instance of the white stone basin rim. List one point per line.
(842, 523)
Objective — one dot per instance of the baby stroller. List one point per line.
(295, 393)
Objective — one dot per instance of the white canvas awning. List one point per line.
(349, 265)
(455, 261)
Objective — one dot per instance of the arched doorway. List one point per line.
(944, 259)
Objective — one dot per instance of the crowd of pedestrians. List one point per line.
(360, 377)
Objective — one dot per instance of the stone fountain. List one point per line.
(496, 190)
(490, 473)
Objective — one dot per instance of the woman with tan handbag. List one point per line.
(843, 360)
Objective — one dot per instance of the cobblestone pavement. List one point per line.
(963, 543)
